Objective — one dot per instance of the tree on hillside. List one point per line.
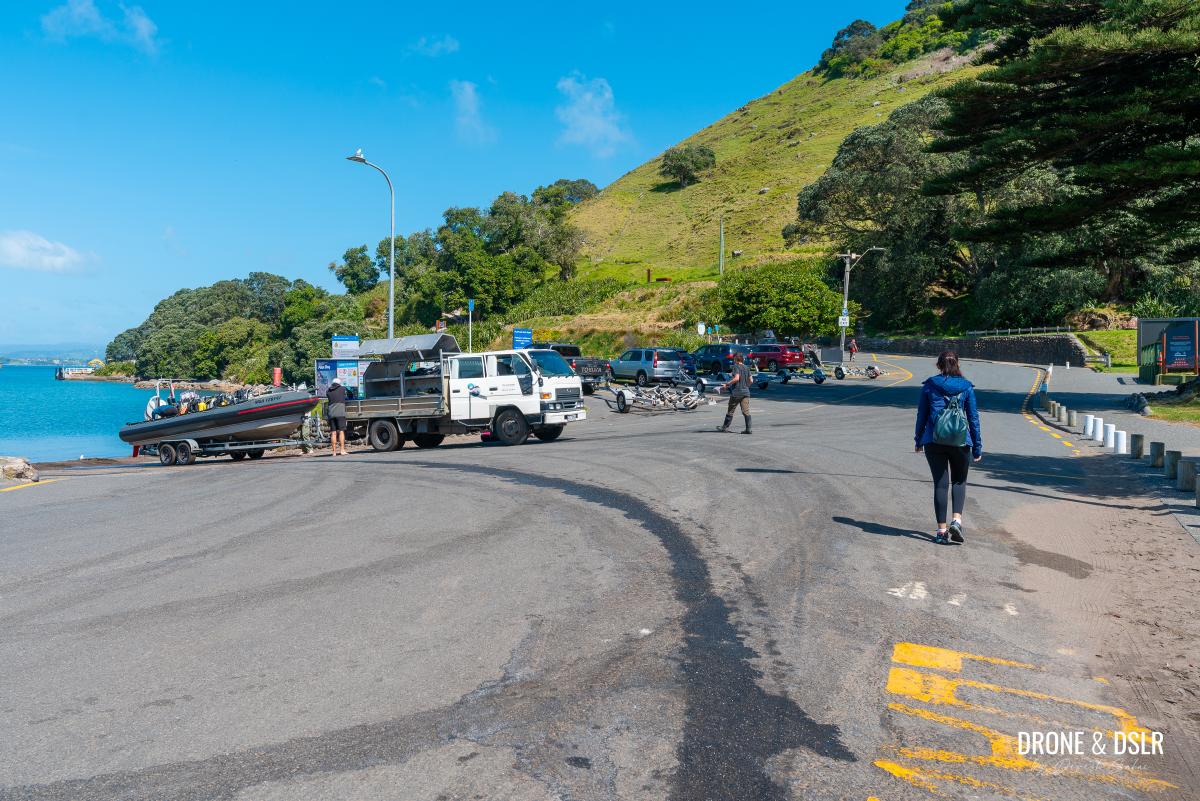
(565, 191)
(686, 162)
(871, 195)
(357, 272)
(788, 298)
(1103, 94)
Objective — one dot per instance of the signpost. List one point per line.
(470, 320)
(700, 329)
(844, 321)
(522, 338)
(348, 371)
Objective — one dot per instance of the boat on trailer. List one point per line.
(219, 426)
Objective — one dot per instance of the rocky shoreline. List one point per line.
(213, 385)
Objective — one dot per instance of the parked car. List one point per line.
(647, 365)
(592, 371)
(687, 360)
(772, 357)
(719, 358)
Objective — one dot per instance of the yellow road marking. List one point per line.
(1044, 428)
(1068, 444)
(907, 376)
(34, 484)
(1056, 436)
(930, 656)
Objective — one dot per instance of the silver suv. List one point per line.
(647, 365)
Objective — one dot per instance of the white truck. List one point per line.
(423, 389)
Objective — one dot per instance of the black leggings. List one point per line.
(958, 461)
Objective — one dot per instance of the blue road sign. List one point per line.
(522, 338)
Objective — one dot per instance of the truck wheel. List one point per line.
(237, 456)
(588, 389)
(184, 454)
(839, 373)
(548, 433)
(622, 404)
(772, 366)
(641, 379)
(427, 440)
(510, 427)
(384, 436)
(715, 367)
(166, 454)
(257, 453)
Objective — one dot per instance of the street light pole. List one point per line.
(849, 260)
(358, 156)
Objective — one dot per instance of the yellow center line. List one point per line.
(34, 484)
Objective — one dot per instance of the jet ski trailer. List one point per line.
(237, 428)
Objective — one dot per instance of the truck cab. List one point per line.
(491, 390)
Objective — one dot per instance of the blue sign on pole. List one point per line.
(470, 305)
(522, 338)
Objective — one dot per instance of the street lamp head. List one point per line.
(358, 156)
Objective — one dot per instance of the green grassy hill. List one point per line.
(779, 143)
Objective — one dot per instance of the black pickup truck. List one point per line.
(591, 371)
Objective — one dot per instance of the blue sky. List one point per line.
(146, 148)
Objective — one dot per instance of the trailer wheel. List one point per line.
(783, 376)
(428, 440)
(237, 456)
(548, 433)
(818, 377)
(510, 427)
(166, 454)
(839, 373)
(257, 453)
(622, 404)
(698, 386)
(872, 372)
(384, 436)
(184, 454)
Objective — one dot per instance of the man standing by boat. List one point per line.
(335, 410)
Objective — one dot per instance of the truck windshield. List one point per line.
(550, 364)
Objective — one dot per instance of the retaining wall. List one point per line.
(1045, 349)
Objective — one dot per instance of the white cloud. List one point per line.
(25, 250)
(434, 46)
(468, 114)
(590, 117)
(82, 18)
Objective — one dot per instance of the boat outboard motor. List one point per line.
(152, 405)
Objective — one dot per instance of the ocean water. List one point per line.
(47, 420)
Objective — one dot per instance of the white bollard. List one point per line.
(1098, 429)
(1068, 365)
(1122, 443)
(1049, 370)
(1110, 435)
(1088, 421)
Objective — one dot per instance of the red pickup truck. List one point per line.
(775, 357)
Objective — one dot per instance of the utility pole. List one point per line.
(849, 260)
(721, 256)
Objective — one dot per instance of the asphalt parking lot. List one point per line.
(643, 609)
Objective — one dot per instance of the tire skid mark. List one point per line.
(732, 727)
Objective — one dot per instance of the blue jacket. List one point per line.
(933, 401)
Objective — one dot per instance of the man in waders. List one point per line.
(739, 395)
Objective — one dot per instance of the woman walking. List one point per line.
(948, 433)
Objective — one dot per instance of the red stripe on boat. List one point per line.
(276, 405)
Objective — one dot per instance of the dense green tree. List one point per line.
(1106, 95)
(870, 196)
(357, 272)
(788, 298)
(565, 192)
(685, 163)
